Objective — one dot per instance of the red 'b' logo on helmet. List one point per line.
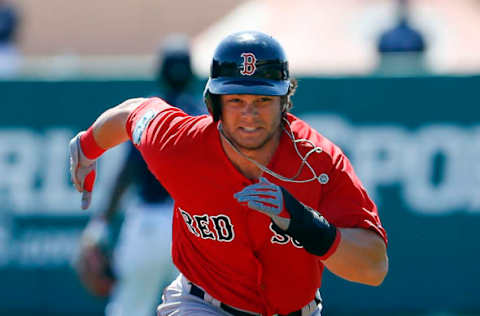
(249, 61)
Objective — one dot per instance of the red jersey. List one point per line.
(226, 248)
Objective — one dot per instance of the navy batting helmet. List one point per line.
(247, 62)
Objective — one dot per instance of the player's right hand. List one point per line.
(82, 171)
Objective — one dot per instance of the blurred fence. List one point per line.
(414, 142)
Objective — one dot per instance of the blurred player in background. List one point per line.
(263, 202)
(142, 263)
(402, 48)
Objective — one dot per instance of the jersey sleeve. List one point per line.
(164, 135)
(157, 124)
(346, 202)
(140, 120)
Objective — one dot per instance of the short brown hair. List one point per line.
(286, 101)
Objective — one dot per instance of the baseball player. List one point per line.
(263, 202)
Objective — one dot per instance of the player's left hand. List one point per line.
(82, 171)
(265, 197)
(305, 224)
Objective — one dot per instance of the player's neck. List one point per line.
(261, 155)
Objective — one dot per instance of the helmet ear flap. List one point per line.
(212, 101)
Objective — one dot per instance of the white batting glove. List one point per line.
(305, 224)
(82, 171)
(264, 197)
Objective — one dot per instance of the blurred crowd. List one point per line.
(401, 49)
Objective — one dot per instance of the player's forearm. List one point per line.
(109, 128)
(107, 131)
(360, 257)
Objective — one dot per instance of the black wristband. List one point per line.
(307, 226)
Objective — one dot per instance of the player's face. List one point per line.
(251, 121)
